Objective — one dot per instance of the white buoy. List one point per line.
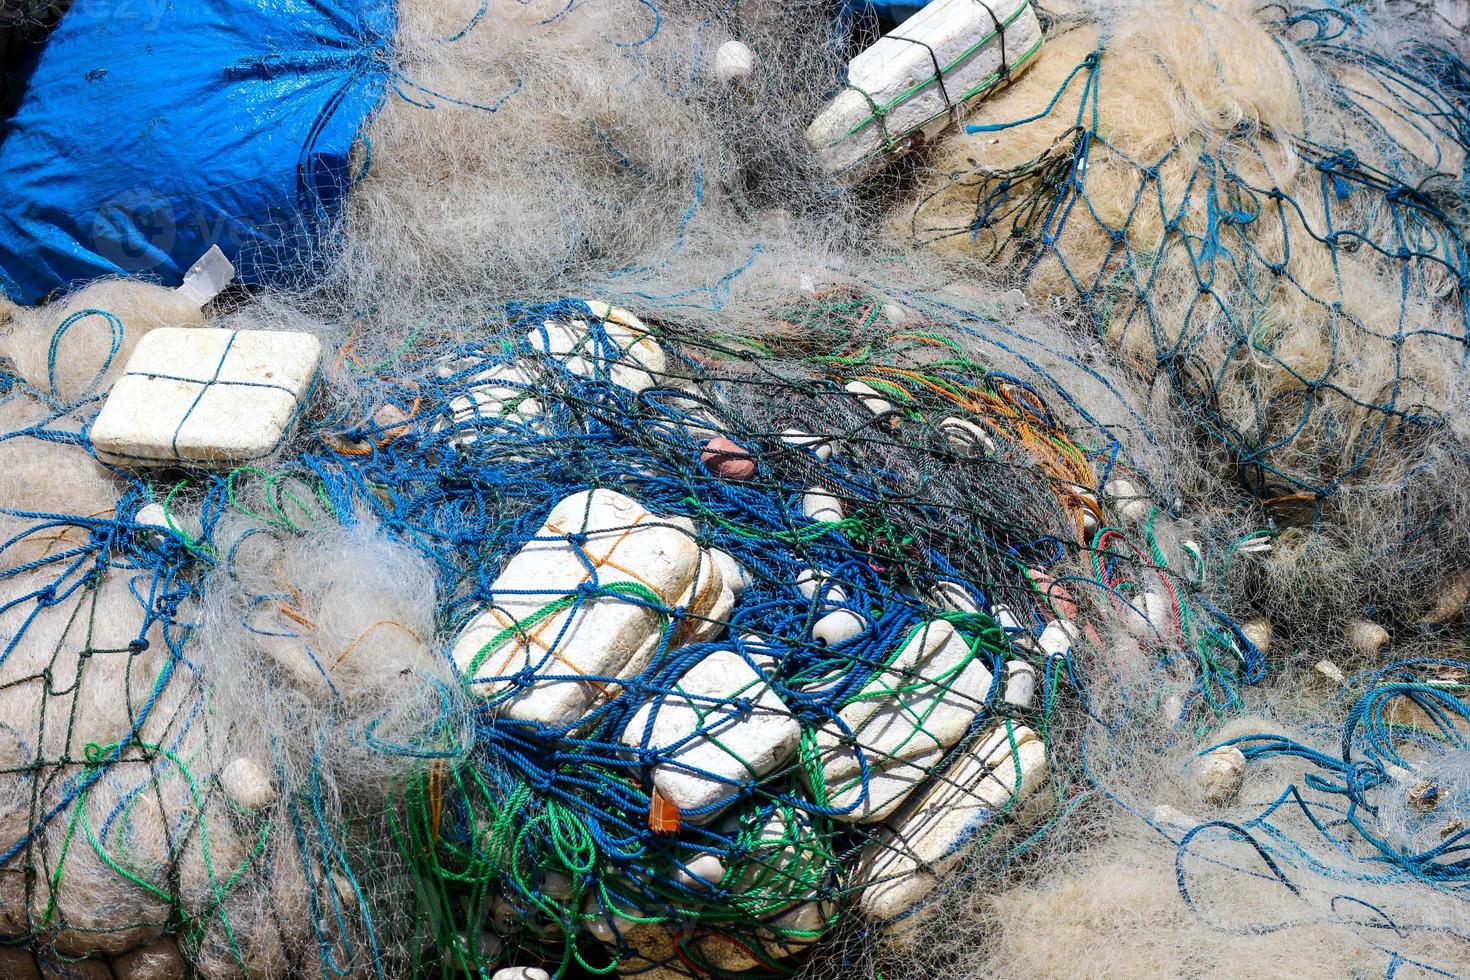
(872, 400)
(1057, 637)
(820, 446)
(598, 925)
(1020, 683)
(837, 626)
(1258, 631)
(703, 870)
(1219, 774)
(1130, 502)
(520, 973)
(964, 434)
(1168, 816)
(734, 63)
(956, 598)
(1366, 637)
(736, 578)
(247, 784)
(819, 505)
(503, 916)
(812, 583)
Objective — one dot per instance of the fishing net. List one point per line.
(802, 608)
(1263, 209)
(753, 639)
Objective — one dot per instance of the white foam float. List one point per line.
(939, 826)
(206, 397)
(901, 723)
(916, 80)
(601, 638)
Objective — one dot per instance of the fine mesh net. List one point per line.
(806, 607)
(755, 636)
(1263, 208)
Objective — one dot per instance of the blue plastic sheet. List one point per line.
(887, 14)
(149, 131)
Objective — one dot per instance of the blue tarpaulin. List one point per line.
(888, 14)
(148, 132)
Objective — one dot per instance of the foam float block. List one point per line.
(206, 397)
(711, 602)
(630, 357)
(902, 722)
(541, 625)
(938, 827)
(500, 392)
(915, 80)
(720, 728)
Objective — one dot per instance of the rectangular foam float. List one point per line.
(537, 623)
(721, 728)
(902, 722)
(937, 827)
(915, 81)
(206, 397)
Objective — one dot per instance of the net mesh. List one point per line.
(727, 615)
(1274, 229)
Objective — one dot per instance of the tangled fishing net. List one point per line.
(1263, 208)
(719, 606)
(659, 569)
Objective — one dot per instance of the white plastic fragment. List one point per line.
(893, 97)
(1020, 683)
(597, 637)
(939, 826)
(838, 626)
(820, 505)
(207, 277)
(901, 725)
(720, 728)
(205, 397)
(821, 446)
(247, 784)
(1219, 774)
(734, 62)
(1329, 670)
(705, 869)
(872, 400)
